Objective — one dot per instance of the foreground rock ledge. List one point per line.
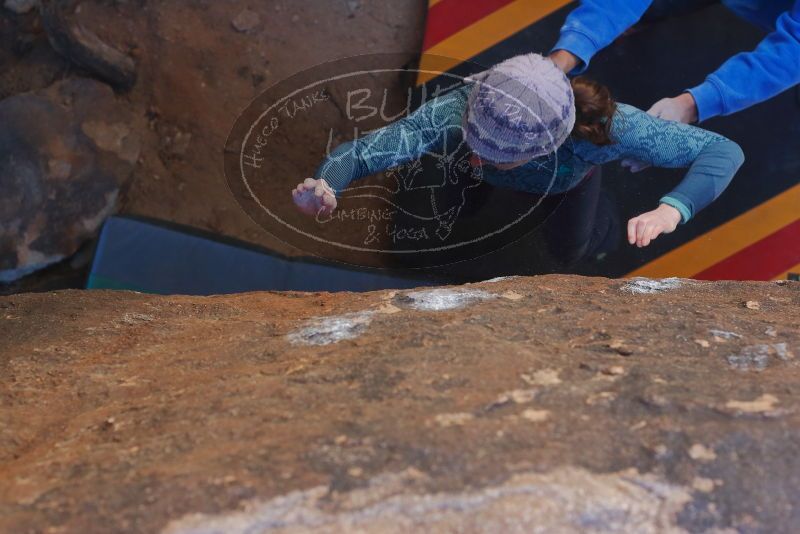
(523, 404)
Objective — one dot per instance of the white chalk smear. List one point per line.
(752, 358)
(564, 500)
(723, 334)
(649, 285)
(133, 318)
(756, 357)
(327, 330)
(498, 279)
(782, 351)
(443, 299)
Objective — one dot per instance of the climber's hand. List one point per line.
(634, 165)
(314, 197)
(648, 226)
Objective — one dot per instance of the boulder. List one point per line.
(81, 46)
(20, 6)
(553, 403)
(246, 21)
(65, 153)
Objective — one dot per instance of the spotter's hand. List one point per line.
(314, 197)
(682, 108)
(648, 226)
(634, 165)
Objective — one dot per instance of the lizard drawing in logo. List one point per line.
(433, 188)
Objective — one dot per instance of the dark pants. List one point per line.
(584, 225)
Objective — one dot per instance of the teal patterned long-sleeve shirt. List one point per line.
(712, 160)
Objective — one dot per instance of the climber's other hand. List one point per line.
(648, 226)
(314, 197)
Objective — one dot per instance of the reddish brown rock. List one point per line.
(82, 46)
(65, 154)
(20, 6)
(195, 75)
(500, 407)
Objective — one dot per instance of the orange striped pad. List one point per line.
(482, 34)
(785, 275)
(758, 244)
(713, 254)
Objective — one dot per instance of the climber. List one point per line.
(533, 130)
(742, 81)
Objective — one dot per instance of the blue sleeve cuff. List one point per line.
(708, 98)
(683, 209)
(341, 167)
(580, 45)
(331, 172)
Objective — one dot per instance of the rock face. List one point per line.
(195, 74)
(20, 6)
(83, 47)
(520, 405)
(64, 155)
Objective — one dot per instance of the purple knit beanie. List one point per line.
(520, 109)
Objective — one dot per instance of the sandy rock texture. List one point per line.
(199, 64)
(538, 404)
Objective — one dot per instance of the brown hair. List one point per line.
(594, 108)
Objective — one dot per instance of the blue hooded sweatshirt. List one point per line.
(743, 80)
